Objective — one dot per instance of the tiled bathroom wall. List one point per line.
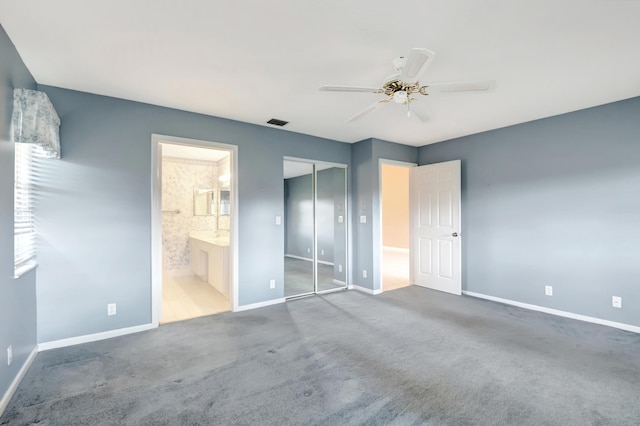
(179, 178)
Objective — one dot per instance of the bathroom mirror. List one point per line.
(204, 202)
(225, 203)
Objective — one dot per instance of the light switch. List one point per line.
(278, 220)
(363, 219)
(340, 219)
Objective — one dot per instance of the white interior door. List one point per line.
(435, 226)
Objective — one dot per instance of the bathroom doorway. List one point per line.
(193, 262)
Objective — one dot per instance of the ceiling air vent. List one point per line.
(277, 122)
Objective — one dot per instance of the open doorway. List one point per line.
(193, 237)
(395, 224)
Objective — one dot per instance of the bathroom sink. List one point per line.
(210, 237)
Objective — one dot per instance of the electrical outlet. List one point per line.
(340, 219)
(308, 250)
(9, 355)
(548, 290)
(364, 273)
(322, 252)
(272, 283)
(111, 309)
(363, 219)
(339, 268)
(278, 220)
(616, 301)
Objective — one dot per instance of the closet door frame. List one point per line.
(314, 184)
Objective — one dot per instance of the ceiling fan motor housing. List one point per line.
(393, 86)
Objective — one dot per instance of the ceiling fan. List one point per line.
(403, 84)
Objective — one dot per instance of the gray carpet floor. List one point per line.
(406, 357)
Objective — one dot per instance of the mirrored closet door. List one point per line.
(315, 227)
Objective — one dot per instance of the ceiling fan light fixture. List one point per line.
(400, 97)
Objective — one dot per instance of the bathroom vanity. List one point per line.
(209, 259)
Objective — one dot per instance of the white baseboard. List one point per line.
(293, 256)
(621, 326)
(364, 290)
(260, 304)
(308, 259)
(93, 337)
(396, 249)
(13, 387)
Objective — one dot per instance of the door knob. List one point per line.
(455, 234)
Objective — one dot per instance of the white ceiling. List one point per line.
(253, 60)
(192, 152)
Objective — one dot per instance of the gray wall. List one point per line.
(97, 207)
(366, 156)
(339, 208)
(554, 202)
(362, 196)
(17, 296)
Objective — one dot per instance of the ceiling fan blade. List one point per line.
(349, 89)
(461, 86)
(369, 110)
(419, 111)
(417, 63)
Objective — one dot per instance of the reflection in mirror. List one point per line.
(204, 202)
(298, 228)
(331, 228)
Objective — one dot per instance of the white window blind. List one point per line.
(35, 129)
(24, 226)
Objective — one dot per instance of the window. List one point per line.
(35, 131)
(24, 256)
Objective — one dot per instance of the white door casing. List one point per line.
(435, 226)
(156, 218)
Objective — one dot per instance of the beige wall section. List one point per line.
(395, 206)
